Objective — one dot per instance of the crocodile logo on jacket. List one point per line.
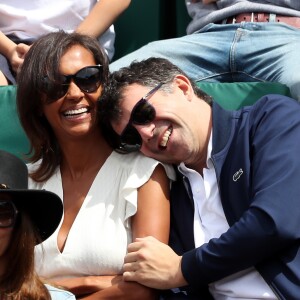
(236, 176)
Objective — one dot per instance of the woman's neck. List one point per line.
(82, 155)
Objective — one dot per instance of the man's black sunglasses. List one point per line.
(88, 79)
(142, 113)
(8, 214)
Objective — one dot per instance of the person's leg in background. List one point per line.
(232, 52)
(203, 55)
(268, 52)
(6, 76)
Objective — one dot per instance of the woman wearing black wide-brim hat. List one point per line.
(27, 217)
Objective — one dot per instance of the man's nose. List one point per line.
(145, 131)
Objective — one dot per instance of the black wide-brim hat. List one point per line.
(43, 207)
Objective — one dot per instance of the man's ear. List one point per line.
(184, 84)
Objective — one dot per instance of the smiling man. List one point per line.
(235, 205)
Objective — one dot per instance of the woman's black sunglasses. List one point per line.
(8, 214)
(142, 113)
(88, 79)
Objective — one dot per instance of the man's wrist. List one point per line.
(180, 280)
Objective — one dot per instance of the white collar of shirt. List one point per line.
(209, 218)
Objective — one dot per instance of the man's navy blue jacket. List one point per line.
(256, 155)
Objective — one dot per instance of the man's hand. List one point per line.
(153, 264)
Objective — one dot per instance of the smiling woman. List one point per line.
(60, 83)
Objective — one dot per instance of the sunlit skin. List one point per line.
(180, 110)
(72, 61)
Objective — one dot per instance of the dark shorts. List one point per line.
(6, 70)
